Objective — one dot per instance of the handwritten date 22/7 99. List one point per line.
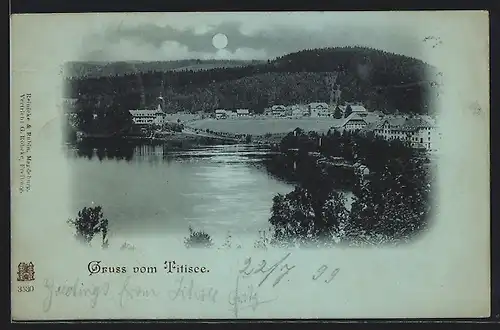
(280, 269)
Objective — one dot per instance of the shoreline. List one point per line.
(183, 138)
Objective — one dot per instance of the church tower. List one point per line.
(161, 104)
(337, 95)
(334, 90)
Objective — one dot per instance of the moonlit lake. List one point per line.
(146, 189)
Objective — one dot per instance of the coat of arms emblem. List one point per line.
(26, 271)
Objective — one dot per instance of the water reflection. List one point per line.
(156, 153)
(101, 151)
(154, 188)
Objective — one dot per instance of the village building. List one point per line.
(278, 110)
(319, 109)
(417, 132)
(231, 114)
(243, 113)
(361, 121)
(148, 117)
(299, 111)
(354, 123)
(295, 111)
(220, 114)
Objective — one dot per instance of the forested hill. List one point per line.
(104, 69)
(381, 80)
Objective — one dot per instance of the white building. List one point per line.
(318, 109)
(354, 123)
(416, 132)
(243, 113)
(361, 121)
(231, 114)
(220, 114)
(278, 110)
(298, 110)
(148, 117)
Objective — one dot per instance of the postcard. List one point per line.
(250, 165)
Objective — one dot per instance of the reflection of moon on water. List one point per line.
(219, 41)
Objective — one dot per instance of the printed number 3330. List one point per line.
(25, 288)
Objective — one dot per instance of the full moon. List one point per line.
(219, 41)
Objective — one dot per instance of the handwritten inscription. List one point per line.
(245, 298)
(321, 270)
(187, 290)
(280, 269)
(76, 290)
(131, 292)
(127, 292)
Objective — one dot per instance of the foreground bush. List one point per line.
(90, 222)
(198, 239)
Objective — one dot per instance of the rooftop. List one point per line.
(368, 118)
(138, 112)
(318, 104)
(406, 123)
(358, 108)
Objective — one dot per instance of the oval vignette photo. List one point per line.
(231, 139)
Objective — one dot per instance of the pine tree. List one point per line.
(337, 114)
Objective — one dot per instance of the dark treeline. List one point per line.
(390, 204)
(89, 69)
(381, 80)
(109, 120)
